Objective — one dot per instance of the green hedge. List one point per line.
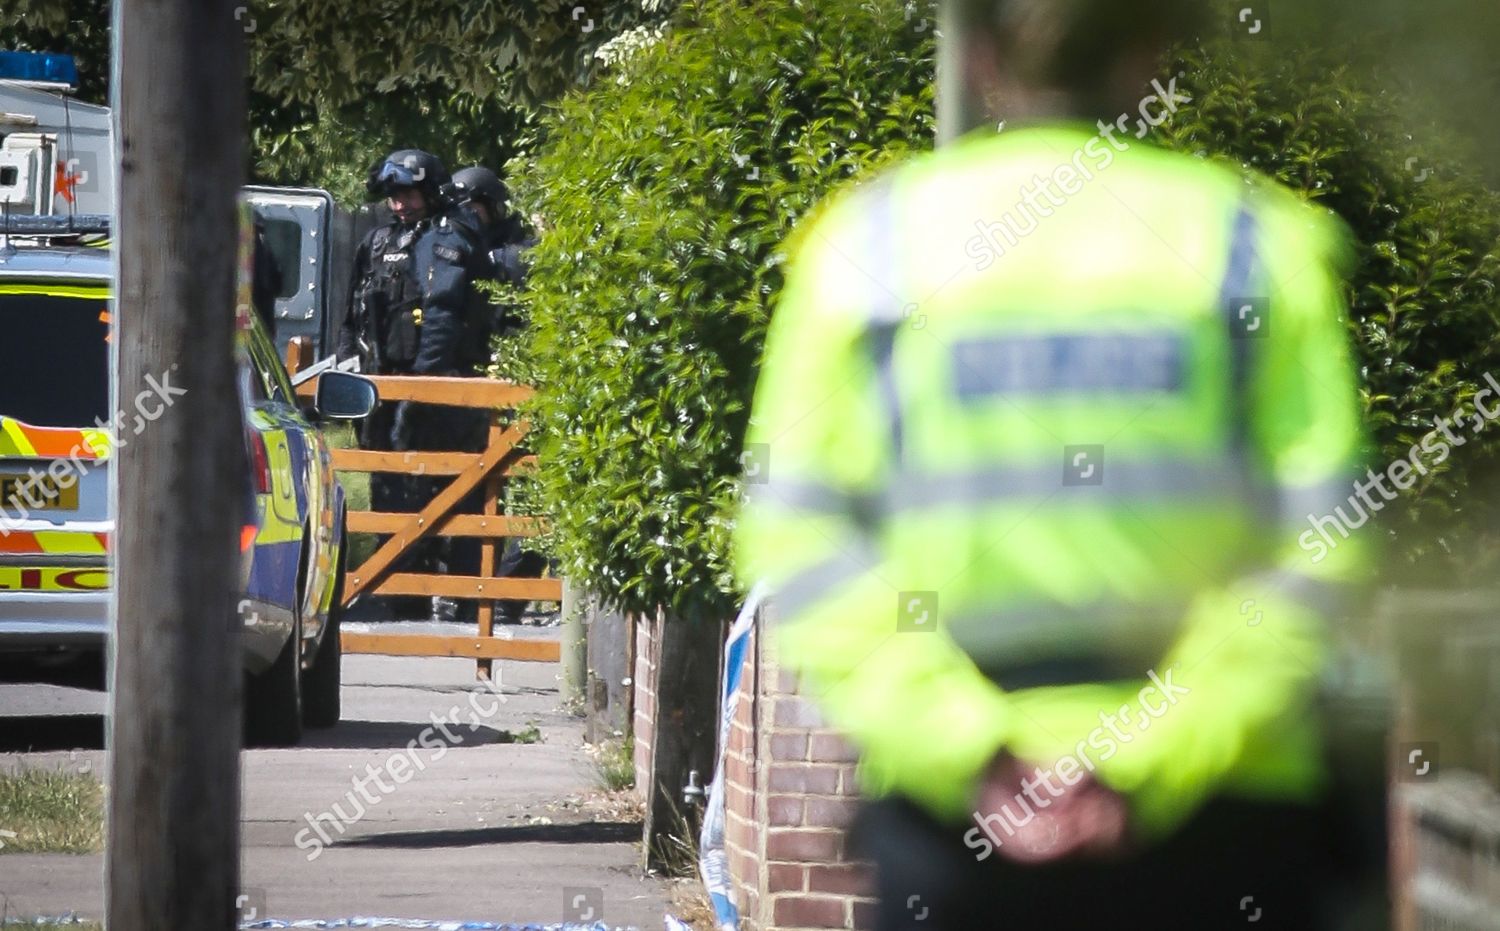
(670, 185)
(668, 188)
(1424, 313)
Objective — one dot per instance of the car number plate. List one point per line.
(22, 493)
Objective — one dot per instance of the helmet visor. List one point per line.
(394, 175)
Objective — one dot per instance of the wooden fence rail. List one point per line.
(502, 457)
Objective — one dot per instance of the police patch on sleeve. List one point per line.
(447, 252)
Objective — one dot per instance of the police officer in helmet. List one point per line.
(481, 195)
(384, 323)
(380, 326)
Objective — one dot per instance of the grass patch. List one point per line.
(530, 734)
(50, 811)
(614, 764)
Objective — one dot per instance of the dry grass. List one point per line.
(690, 904)
(50, 811)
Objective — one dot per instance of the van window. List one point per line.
(284, 238)
(54, 360)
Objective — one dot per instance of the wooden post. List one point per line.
(685, 734)
(957, 111)
(178, 471)
(493, 488)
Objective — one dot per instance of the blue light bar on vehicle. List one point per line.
(51, 67)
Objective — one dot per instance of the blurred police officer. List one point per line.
(1040, 415)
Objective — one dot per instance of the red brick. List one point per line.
(783, 810)
(829, 812)
(831, 748)
(802, 846)
(742, 867)
(742, 832)
(862, 914)
(841, 879)
(786, 877)
(788, 746)
(786, 682)
(796, 712)
(805, 779)
(737, 798)
(807, 911)
(738, 770)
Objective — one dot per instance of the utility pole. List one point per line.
(172, 858)
(957, 111)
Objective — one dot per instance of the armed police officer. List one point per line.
(394, 326)
(481, 194)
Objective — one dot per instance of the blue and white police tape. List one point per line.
(413, 922)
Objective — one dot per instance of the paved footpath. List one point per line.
(480, 830)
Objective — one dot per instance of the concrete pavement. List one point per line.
(468, 825)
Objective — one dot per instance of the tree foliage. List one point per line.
(669, 191)
(334, 84)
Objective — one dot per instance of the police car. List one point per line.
(57, 430)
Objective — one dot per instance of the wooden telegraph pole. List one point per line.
(178, 479)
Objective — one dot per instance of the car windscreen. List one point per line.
(54, 359)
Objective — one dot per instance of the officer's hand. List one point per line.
(1086, 820)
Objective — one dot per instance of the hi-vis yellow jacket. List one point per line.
(1038, 420)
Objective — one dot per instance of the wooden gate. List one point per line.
(488, 471)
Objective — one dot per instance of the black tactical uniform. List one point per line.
(505, 241)
(384, 328)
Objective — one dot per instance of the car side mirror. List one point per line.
(345, 396)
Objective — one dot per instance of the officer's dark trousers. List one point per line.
(1237, 864)
(520, 564)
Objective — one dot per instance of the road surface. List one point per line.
(466, 826)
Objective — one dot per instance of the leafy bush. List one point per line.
(1423, 298)
(668, 188)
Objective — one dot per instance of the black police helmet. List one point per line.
(407, 168)
(478, 182)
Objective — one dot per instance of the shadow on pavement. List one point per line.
(583, 832)
(396, 735)
(52, 732)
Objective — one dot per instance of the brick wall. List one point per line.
(790, 794)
